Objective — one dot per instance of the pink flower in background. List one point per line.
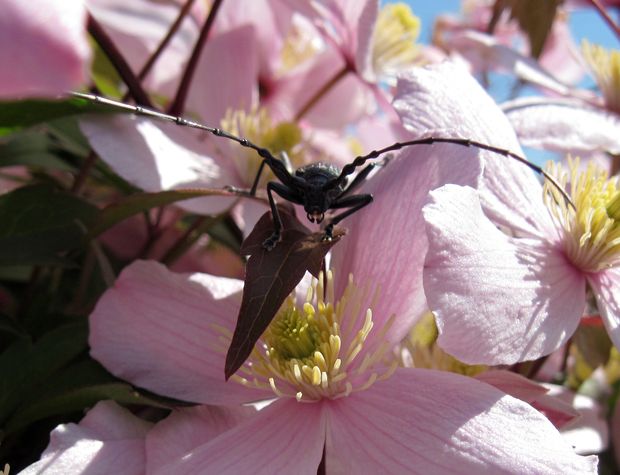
(581, 122)
(45, 50)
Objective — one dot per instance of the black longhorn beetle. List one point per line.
(318, 187)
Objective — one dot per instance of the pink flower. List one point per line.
(45, 48)
(582, 122)
(506, 297)
(337, 390)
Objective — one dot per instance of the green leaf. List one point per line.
(593, 344)
(141, 202)
(75, 388)
(31, 149)
(19, 114)
(24, 365)
(39, 223)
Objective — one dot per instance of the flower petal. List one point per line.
(285, 437)
(606, 287)
(188, 428)
(498, 300)
(230, 85)
(426, 421)
(169, 333)
(386, 243)
(446, 101)
(566, 126)
(156, 157)
(108, 440)
(45, 48)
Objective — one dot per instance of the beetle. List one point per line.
(318, 187)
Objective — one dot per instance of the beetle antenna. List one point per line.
(144, 111)
(362, 159)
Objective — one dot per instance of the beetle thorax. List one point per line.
(316, 198)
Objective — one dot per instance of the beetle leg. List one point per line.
(289, 195)
(358, 180)
(354, 203)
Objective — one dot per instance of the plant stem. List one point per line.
(321, 92)
(178, 105)
(601, 9)
(119, 62)
(164, 42)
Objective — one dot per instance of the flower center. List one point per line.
(301, 45)
(605, 66)
(257, 127)
(420, 350)
(394, 38)
(592, 230)
(317, 350)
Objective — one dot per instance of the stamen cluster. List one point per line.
(394, 39)
(591, 231)
(605, 66)
(316, 350)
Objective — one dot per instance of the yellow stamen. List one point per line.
(394, 39)
(591, 232)
(605, 66)
(258, 128)
(302, 355)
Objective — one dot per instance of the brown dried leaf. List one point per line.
(535, 18)
(271, 276)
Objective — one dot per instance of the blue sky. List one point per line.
(585, 22)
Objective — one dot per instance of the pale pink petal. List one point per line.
(271, 20)
(233, 84)
(346, 102)
(138, 26)
(108, 440)
(498, 300)
(365, 31)
(446, 101)
(157, 157)
(558, 412)
(486, 52)
(186, 429)
(422, 421)
(606, 288)
(285, 437)
(513, 384)
(566, 126)
(561, 55)
(169, 333)
(386, 243)
(587, 432)
(45, 50)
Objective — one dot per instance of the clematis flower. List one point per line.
(337, 390)
(504, 297)
(109, 439)
(580, 123)
(45, 48)
(506, 49)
